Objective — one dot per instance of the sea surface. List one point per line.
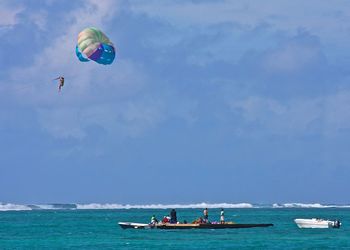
(95, 226)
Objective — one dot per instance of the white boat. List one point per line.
(317, 223)
(134, 225)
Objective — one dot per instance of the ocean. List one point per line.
(95, 226)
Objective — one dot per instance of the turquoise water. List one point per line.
(98, 229)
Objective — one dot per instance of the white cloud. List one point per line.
(39, 19)
(255, 108)
(8, 15)
(337, 116)
(328, 20)
(316, 15)
(321, 115)
(291, 58)
(119, 119)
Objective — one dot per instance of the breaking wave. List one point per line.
(20, 207)
(13, 207)
(162, 206)
(307, 205)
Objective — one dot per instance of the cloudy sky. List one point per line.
(207, 101)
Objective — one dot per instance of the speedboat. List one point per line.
(317, 223)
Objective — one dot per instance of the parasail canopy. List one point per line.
(94, 45)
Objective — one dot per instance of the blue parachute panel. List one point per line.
(80, 55)
(106, 54)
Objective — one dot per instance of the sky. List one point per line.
(206, 101)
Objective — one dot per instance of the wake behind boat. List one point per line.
(317, 223)
(226, 225)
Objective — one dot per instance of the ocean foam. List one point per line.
(307, 205)
(163, 206)
(19, 207)
(13, 207)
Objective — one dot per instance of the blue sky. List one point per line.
(207, 101)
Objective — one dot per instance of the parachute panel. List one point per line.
(94, 45)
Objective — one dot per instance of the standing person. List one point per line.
(205, 213)
(173, 218)
(222, 217)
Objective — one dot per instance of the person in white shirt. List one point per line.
(222, 216)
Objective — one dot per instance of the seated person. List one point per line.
(198, 221)
(165, 219)
(154, 220)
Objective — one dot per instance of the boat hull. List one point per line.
(126, 225)
(317, 223)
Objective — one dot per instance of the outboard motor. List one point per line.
(337, 224)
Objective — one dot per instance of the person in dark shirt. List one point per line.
(173, 218)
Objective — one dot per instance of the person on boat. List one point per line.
(61, 82)
(198, 221)
(154, 220)
(173, 218)
(222, 216)
(205, 213)
(166, 219)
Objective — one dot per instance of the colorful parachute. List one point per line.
(95, 45)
